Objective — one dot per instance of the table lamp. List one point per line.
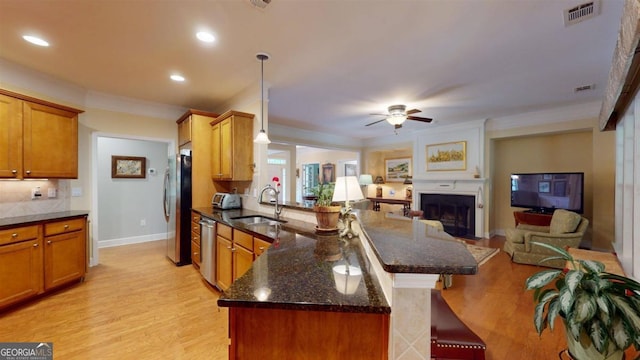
(378, 181)
(409, 189)
(346, 189)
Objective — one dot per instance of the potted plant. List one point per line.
(327, 215)
(600, 310)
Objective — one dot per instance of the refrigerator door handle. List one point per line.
(165, 194)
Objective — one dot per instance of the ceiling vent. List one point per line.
(260, 3)
(581, 12)
(584, 88)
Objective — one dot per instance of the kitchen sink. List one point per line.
(258, 220)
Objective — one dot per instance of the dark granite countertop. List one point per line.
(38, 218)
(298, 268)
(296, 272)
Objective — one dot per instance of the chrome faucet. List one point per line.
(278, 209)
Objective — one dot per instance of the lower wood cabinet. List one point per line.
(235, 252)
(37, 258)
(21, 269)
(196, 256)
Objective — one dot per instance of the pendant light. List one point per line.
(262, 137)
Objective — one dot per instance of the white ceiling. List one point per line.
(332, 62)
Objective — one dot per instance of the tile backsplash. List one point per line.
(15, 197)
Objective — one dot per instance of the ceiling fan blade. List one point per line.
(417, 118)
(413, 111)
(380, 114)
(375, 122)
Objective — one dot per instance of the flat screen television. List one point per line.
(546, 192)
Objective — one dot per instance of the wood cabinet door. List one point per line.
(184, 131)
(224, 261)
(242, 261)
(50, 147)
(242, 148)
(216, 170)
(226, 149)
(10, 137)
(20, 271)
(64, 258)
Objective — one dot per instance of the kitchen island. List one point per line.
(297, 302)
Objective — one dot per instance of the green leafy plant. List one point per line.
(324, 193)
(599, 309)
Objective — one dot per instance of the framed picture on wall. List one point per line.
(447, 156)
(350, 170)
(396, 170)
(128, 167)
(328, 173)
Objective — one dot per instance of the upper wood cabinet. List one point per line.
(184, 131)
(194, 134)
(41, 140)
(232, 147)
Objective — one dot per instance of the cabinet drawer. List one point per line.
(195, 253)
(195, 237)
(17, 234)
(224, 231)
(195, 227)
(64, 226)
(260, 246)
(243, 239)
(195, 217)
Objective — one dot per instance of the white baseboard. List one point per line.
(131, 240)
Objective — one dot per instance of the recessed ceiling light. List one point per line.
(35, 40)
(205, 37)
(176, 77)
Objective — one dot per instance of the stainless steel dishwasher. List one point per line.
(208, 250)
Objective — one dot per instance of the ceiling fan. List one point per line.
(398, 114)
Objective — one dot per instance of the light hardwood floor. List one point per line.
(137, 305)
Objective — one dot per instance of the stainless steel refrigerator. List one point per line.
(177, 208)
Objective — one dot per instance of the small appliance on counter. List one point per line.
(226, 201)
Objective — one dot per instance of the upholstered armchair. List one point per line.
(566, 229)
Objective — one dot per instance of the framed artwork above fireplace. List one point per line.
(451, 156)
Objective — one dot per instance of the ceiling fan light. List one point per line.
(396, 119)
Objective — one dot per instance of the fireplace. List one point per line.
(455, 212)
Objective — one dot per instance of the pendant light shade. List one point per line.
(262, 137)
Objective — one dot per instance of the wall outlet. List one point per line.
(35, 193)
(76, 191)
(143, 222)
(51, 192)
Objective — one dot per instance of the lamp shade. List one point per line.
(347, 189)
(365, 179)
(378, 180)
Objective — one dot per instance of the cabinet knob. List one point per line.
(14, 235)
(35, 245)
(28, 172)
(261, 247)
(66, 226)
(14, 171)
(49, 242)
(195, 253)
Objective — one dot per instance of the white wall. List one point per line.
(130, 210)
